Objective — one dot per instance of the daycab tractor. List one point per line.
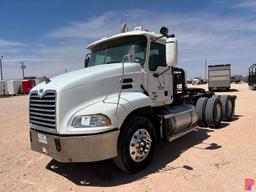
(129, 97)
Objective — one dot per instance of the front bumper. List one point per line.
(86, 148)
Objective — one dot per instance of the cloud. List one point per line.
(247, 4)
(220, 39)
(49, 61)
(10, 47)
(8, 44)
(90, 29)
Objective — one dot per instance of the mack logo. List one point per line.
(41, 91)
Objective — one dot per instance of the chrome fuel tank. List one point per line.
(178, 118)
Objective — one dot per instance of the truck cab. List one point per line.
(119, 106)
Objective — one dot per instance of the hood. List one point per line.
(77, 78)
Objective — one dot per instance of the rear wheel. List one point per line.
(227, 107)
(200, 109)
(136, 144)
(213, 112)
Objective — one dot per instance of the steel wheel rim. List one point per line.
(140, 145)
(218, 113)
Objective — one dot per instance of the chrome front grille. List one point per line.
(42, 110)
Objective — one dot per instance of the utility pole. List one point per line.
(205, 69)
(23, 67)
(1, 67)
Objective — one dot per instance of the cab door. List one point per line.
(159, 76)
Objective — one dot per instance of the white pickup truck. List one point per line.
(122, 103)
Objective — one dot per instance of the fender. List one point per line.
(129, 101)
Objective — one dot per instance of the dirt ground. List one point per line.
(204, 160)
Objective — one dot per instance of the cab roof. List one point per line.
(126, 34)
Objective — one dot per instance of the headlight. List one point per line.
(96, 120)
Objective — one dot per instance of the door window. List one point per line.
(156, 56)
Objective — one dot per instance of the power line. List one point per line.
(1, 67)
(205, 69)
(23, 67)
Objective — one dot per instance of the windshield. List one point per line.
(113, 51)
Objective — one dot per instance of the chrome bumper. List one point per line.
(76, 148)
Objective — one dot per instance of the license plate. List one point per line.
(42, 138)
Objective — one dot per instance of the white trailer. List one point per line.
(129, 96)
(3, 87)
(219, 77)
(13, 87)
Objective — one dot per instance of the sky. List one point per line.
(52, 35)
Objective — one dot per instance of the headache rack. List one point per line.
(252, 77)
(42, 110)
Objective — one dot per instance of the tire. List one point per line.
(227, 107)
(130, 156)
(200, 109)
(233, 98)
(213, 112)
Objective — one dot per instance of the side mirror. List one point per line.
(171, 51)
(87, 60)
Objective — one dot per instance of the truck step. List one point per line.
(181, 133)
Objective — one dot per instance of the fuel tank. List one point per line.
(177, 119)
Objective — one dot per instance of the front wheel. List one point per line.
(136, 144)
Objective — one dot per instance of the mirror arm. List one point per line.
(154, 39)
(159, 74)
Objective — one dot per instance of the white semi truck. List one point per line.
(129, 97)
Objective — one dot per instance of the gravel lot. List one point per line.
(204, 160)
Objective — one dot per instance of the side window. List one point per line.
(156, 56)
